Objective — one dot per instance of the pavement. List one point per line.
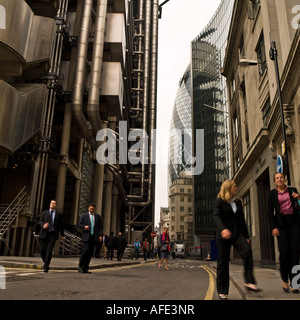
(268, 279)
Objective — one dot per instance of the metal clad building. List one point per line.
(67, 70)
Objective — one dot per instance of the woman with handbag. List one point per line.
(285, 224)
(165, 248)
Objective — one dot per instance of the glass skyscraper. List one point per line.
(180, 143)
(209, 112)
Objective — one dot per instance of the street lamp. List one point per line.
(274, 56)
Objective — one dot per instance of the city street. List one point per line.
(186, 280)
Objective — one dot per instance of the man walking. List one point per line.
(111, 244)
(51, 225)
(120, 246)
(91, 225)
(145, 248)
(137, 246)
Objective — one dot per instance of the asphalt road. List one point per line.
(186, 280)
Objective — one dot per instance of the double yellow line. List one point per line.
(211, 285)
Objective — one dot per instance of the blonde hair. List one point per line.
(224, 193)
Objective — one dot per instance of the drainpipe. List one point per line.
(78, 89)
(93, 101)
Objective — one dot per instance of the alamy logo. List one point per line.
(2, 278)
(2, 17)
(296, 278)
(296, 19)
(138, 152)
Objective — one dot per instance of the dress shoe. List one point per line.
(46, 270)
(252, 287)
(286, 290)
(79, 270)
(295, 290)
(222, 296)
(86, 271)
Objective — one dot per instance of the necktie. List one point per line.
(51, 227)
(92, 224)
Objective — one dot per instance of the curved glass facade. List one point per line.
(180, 143)
(209, 112)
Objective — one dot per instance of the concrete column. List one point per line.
(21, 242)
(76, 195)
(64, 158)
(109, 187)
(114, 210)
(99, 181)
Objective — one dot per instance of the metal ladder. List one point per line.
(11, 212)
(72, 244)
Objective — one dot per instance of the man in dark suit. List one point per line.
(51, 225)
(111, 245)
(91, 225)
(120, 246)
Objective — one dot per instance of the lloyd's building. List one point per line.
(68, 69)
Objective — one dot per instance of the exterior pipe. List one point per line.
(93, 101)
(145, 98)
(77, 97)
(152, 106)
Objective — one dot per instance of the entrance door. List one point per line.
(266, 239)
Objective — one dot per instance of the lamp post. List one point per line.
(274, 56)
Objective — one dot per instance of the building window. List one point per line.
(261, 56)
(266, 110)
(247, 212)
(181, 199)
(253, 7)
(181, 209)
(235, 127)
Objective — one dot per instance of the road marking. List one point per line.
(211, 285)
(124, 267)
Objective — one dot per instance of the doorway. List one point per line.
(266, 240)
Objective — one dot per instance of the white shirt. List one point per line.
(233, 206)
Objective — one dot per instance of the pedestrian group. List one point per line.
(284, 218)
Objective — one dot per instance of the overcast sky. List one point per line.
(182, 21)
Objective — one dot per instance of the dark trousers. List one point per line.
(119, 254)
(224, 246)
(145, 253)
(288, 245)
(46, 248)
(110, 253)
(87, 253)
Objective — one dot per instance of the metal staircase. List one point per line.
(8, 214)
(71, 246)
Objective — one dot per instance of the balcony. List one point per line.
(21, 114)
(26, 42)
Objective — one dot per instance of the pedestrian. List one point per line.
(51, 224)
(164, 248)
(120, 246)
(285, 223)
(103, 248)
(91, 225)
(231, 230)
(137, 246)
(111, 244)
(145, 248)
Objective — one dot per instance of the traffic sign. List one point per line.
(153, 234)
(279, 164)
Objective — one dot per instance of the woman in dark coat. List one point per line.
(231, 230)
(285, 225)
